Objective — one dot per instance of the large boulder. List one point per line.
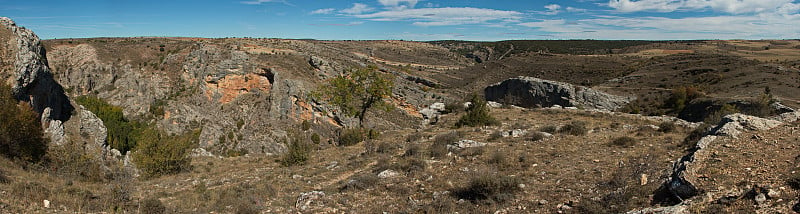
(532, 92)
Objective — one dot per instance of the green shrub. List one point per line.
(536, 136)
(3, 178)
(305, 125)
(667, 127)
(496, 135)
(624, 141)
(576, 128)
(349, 137)
(477, 114)
(682, 96)
(361, 182)
(299, 150)
(158, 153)
(498, 159)
(549, 129)
(489, 188)
(315, 138)
(794, 181)
(152, 205)
(716, 117)
(122, 133)
(21, 135)
(439, 146)
(412, 150)
(414, 137)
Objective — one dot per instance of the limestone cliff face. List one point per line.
(24, 67)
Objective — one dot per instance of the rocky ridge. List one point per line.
(534, 92)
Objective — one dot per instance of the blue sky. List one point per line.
(422, 20)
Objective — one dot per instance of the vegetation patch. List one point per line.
(577, 128)
(477, 114)
(299, 150)
(489, 189)
(122, 133)
(21, 135)
(161, 154)
(624, 141)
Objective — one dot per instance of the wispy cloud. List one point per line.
(576, 10)
(727, 6)
(552, 9)
(716, 27)
(398, 4)
(445, 16)
(358, 8)
(323, 11)
(339, 24)
(258, 2)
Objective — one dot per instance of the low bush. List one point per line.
(349, 137)
(477, 114)
(21, 135)
(489, 188)
(414, 137)
(496, 135)
(498, 159)
(549, 129)
(158, 153)
(438, 148)
(412, 150)
(794, 181)
(716, 117)
(536, 136)
(361, 182)
(667, 127)
(299, 150)
(624, 141)
(152, 205)
(576, 128)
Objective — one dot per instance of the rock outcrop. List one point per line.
(23, 66)
(532, 92)
(682, 183)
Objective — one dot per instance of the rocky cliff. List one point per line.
(23, 66)
(534, 92)
(242, 93)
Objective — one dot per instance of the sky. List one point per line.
(418, 20)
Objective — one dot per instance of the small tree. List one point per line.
(160, 154)
(21, 135)
(477, 114)
(358, 91)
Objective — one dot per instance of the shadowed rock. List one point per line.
(532, 92)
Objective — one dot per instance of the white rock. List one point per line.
(46, 204)
(469, 144)
(387, 173)
(518, 132)
(437, 106)
(494, 104)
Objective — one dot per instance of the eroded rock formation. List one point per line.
(534, 92)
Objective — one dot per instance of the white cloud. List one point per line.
(323, 11)
(357, 8)
(727, 6)
(445, 16)
(398, 4)
(717, 27)
(552, 9)
(262, 1)
(576, 10)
